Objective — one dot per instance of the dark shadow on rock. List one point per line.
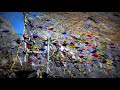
(25, 74)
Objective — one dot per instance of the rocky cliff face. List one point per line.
(105, 24)
(82, 44)
(8, 45)
(62, 25)
(8, 51)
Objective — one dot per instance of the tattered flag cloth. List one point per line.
(89, 62)
(73, 37)
(83, 48)
(39, 59)
(30, 59)
(95, 55)
(63, 33)
(5, 31)
(81, 56)
(50, 28)
(95, 60)
(78, 38)
(25, 36)
(89, 35)
(36, 67)
(64, 43)
(103, 40)
(28, 46)
(41, 27)
(35, 36)
(86, 43)
(112, 45)
(104, 61)
(94, 51)
(118, 60)
(58, 31)
(71, 46)
(79, 49)
(42, 49)
(109, 61)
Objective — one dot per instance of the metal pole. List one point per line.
(48, 50)
(24, 33)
